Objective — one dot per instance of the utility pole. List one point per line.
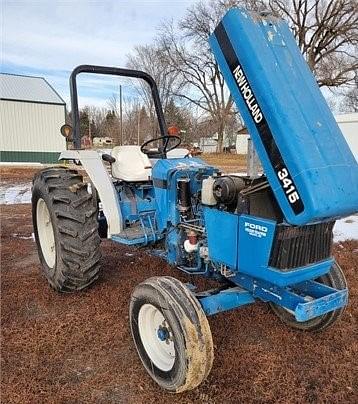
(120, 114)
(89, 126)
(139, 111)
(89, 130)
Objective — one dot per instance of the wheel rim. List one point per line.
(45, 233)
(156, 337)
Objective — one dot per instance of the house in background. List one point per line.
(209, 144)
(31, 115)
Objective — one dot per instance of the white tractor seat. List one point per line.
(131, 164)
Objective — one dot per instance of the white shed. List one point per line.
(208, 144)
(31, 115)
(348, 124)
(242, 138)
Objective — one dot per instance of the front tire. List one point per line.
(171, 333)
(66, 229)
(335, 279)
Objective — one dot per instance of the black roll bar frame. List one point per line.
(114, 71)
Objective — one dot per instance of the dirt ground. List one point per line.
(77, 348)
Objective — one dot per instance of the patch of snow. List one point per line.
(14, 194)
(346, 228)
(23, 237)
(240, 173)
(21, 165)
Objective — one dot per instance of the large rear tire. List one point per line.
(335, 279)
(66, 229)
(171, 333)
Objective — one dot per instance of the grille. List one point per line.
(299, 246)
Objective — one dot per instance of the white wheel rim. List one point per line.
(156, 337)
(45, 233)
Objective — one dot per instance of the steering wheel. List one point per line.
(161, 151)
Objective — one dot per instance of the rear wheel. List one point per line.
(335, 279)
(66, 229)
(171, 333)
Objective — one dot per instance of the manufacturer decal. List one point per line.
(247, 94)
(256, 230)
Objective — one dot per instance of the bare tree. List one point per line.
(327, 34)
(113, 103)
(186, 51)
(135, 122)
(111, 123)
(350, 100)
(149, 58)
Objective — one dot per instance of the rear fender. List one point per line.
(92, 163)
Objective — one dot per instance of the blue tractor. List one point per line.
(265, 238)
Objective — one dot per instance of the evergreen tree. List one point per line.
(84, 123)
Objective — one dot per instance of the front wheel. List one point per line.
(335, 279)
(171, 333)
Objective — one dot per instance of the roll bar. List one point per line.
(114, 71)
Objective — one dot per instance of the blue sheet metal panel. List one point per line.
(227, 299)
(161, 197)
(311, 169)
(254, 244)
(300, 274)
(135, 201)
(222, 232)
(136, 241)
(162, 166)
(254, 248)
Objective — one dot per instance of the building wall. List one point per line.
(241, 143)
(208, 145)
(30, 132)
(348, 123)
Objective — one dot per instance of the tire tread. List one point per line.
(75, 225)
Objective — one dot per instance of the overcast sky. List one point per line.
(49, 38)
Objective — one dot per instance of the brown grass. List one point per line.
(77, 348)
(226, 161)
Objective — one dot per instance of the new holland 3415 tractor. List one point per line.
(266, 238)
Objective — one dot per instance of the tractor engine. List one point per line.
(205, 189)
(214, 211)
(241, 194)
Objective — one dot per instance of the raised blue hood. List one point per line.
(308, 163)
